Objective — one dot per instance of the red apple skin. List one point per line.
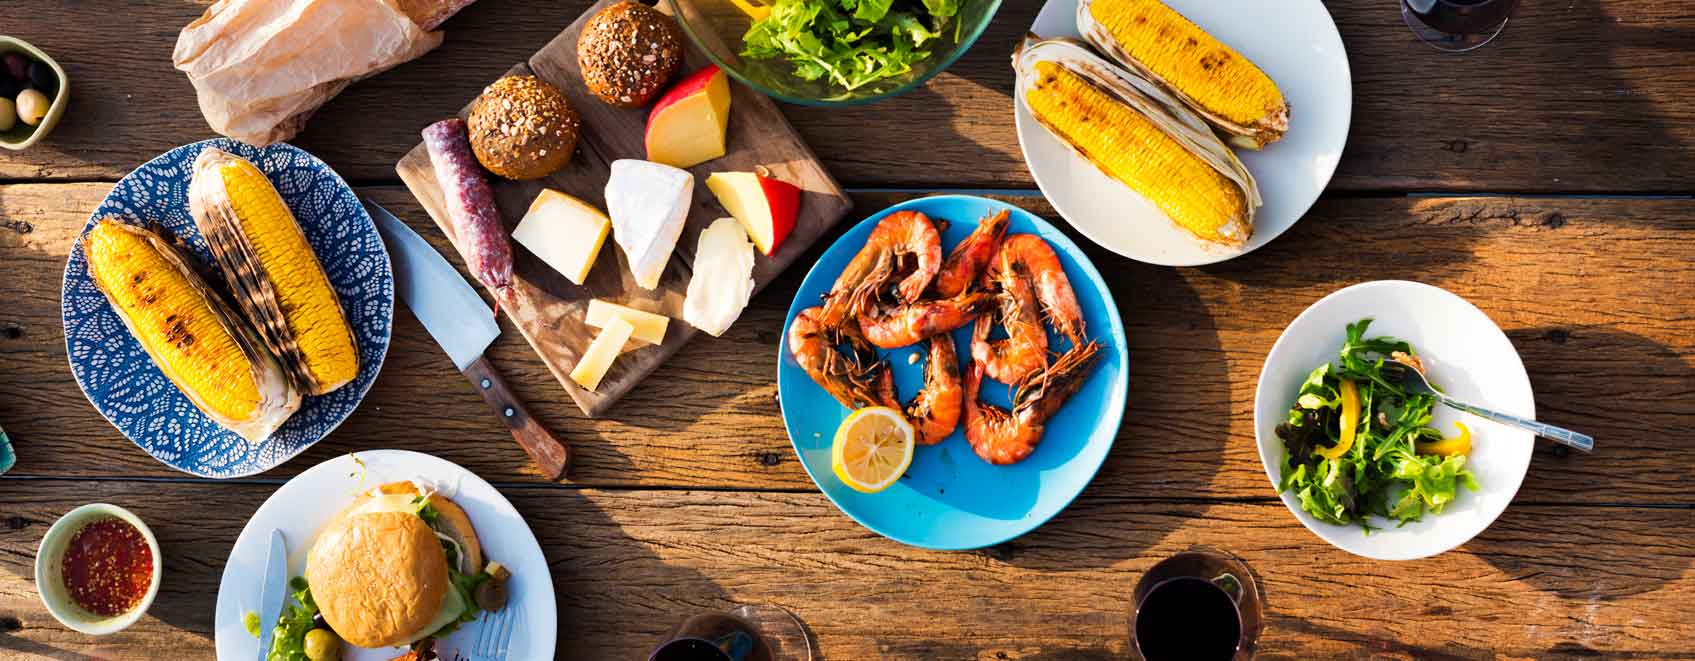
(695, 83)
(783, 198)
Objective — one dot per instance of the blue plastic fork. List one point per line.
(495, 637)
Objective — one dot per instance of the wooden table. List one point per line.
(1546, 178)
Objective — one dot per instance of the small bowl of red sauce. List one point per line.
(98, 569)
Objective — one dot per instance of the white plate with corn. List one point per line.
(227, 306)
(1186, 132)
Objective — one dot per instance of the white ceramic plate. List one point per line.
(1294, 42)
(1464, 353)
(303, 505)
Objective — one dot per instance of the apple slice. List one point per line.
(687, 125)
(765, 206)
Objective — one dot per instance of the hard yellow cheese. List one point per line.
(563, 231)
(592, 367)
(650, 327)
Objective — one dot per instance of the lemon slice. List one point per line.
(872, 449)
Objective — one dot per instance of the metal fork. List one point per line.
(495, 636)
(1412, 379)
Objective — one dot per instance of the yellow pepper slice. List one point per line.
(1350, 420)
(755, 10)
(1448, 447)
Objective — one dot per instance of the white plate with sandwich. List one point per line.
(394, 547)
(1255, 98)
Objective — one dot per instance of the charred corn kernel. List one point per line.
(268, 262)
(190, 335)
(1127, 146)
(1208, 74)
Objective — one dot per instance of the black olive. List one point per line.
(318, 621)
(9, 88)
(17, 66)
(491, 595)
(41, 77)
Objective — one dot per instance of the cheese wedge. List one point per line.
(650, 327)
(648, 203)
(563, 231)
(592, 367)
(723, 277)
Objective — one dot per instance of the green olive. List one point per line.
(322, 645)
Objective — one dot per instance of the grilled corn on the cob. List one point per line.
(1140, 136)
(1159, 44)
(267, 262)
(194, 338)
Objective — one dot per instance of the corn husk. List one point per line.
(279, 285)
(1141, 136)
(189, 332)
(1226, 89)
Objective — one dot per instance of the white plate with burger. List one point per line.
(392, 547)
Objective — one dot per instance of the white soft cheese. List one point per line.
(723, 277)
(648, 203)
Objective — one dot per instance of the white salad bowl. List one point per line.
(1464, 353)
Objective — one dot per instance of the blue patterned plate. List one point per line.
(123, 383)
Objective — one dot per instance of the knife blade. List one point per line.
(464, 326)
(273, 592)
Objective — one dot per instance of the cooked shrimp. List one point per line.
(935, 411)
(855, 381)
(901, 237)
(1031, 257)
(971, 256)
(1001, 437)
(892, 326)
(1025, 349)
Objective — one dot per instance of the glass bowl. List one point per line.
(717, 26)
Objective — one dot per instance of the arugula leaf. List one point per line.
(1382, 474)
(852, 43)
(288, 642)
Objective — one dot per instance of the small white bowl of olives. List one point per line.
(33, 92)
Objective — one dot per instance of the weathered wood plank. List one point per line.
(1588, 289)
(1544, 582)
(1582, 96)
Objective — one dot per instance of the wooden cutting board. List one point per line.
(547, 308)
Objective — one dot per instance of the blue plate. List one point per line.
(949, 498)
(122, 382)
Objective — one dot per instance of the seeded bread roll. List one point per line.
(522, 128)
(627, 52)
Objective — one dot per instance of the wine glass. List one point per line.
(1203, 604)
(753, 632)
(1457, 26)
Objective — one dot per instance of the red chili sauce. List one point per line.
(108, 567)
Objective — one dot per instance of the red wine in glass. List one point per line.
(753, 632)
(1457, 25)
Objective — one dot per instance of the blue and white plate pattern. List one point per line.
(122, 382)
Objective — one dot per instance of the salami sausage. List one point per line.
(482, 240)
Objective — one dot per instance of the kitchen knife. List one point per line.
(462, 324)
(273, 592)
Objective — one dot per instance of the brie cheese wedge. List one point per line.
(723, 277)
(648, 203)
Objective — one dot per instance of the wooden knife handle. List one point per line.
(548, 452)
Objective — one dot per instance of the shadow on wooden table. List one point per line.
(1630, 393)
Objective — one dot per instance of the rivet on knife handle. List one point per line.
(548, 452)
